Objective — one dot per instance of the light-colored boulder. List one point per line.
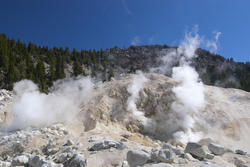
(239, 162)
(107, 144)
(189, 157)
(20, 160)
(162, 155)
(178, 150)
(209, 156)
(137, 158)
(5, 164)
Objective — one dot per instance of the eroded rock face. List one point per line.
(104, 132)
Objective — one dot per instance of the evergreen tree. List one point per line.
(77, 69)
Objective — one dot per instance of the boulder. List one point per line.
(61, 158)
(137, 158)
(178, 150)
(162, 155)
(210, 156)
(125, 164)
(245, 165)
(12, 148)
(5, 164)
(196, 150)
(241, 152)
(189, 157)
(216, 149)
(107, 144)
(77, 160)
(38, 161)
(20, 160)
(239, 162)
(69, 143)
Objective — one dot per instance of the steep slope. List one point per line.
(106, 123)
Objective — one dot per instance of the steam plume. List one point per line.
(190, 91)
(33, 108)
(134, 88)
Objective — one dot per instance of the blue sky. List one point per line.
(89, 24)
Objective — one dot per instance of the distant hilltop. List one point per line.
(45, 65)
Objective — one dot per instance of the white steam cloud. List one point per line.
(212, 45)
(190, 91)
(180, 122)
(189, 100)
(133, 89)
(33, 108)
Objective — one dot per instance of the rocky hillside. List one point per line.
(45, 65)
(213, 69)
(107, 132)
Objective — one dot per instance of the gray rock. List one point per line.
(125, 164)
(158, 165)
(50, 148)
(245, 165)
(182, 161)
(69, 143)
(196, 150)
(11, 148)
(210, 156)
(137, 158)
(20, 160)
(61, 158)
(216, 149)
(52, 151)
(36, 161)
(78, 146)
(205, 141)
(189, 157)
(162, 155)
(241, 152)
(177, 150)
(77, 160)
(5, 164)
(107, 144)
(239, 162)
(167, 146)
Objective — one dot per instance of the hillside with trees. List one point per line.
(44, 65)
